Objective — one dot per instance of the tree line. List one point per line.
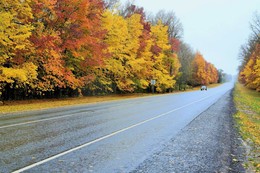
(56, 48)
(249, 70)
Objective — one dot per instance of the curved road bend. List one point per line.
(106, 137)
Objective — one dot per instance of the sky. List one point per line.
(215, 28)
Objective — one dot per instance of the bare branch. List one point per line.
(169, 18)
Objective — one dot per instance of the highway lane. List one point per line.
(105, 137)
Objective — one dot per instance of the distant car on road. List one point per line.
(203, 87)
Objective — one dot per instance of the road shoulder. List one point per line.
(210, 143)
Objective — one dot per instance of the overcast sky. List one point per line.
(216, 28)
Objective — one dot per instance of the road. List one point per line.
(114, 136)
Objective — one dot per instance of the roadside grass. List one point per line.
(248, 119)
(38, 104)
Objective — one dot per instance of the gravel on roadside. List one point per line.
(210, 143)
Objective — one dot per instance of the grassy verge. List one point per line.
(26, 105)
(248, 119)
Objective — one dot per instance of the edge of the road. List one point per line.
(233, 151)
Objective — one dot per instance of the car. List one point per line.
(203, 87)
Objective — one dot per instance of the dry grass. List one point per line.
(26, 105)
(248, 118)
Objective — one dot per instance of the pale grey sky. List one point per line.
(216, 28)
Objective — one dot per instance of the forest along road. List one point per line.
(116, 136)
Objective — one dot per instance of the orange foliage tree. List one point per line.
(250, 75)
(68, 42)
(204, 73)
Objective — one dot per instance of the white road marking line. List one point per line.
(37, 121)
(102, 138)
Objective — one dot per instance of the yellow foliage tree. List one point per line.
(160, 48)
(122, 39)
(24, 75)
(15, 28)
(251, 72)
(143, 63)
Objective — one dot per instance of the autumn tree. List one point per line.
(143, 63)
(68, 40)
(175, 32)
(249, 73)
(16, 67)
(199, 74)
(159, 48)
(122, 39)
(203, 72)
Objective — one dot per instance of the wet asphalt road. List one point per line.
(209, 144)
(105, 137)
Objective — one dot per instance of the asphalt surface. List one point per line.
(118, 136)
(208, 144)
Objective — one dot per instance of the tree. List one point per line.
(123, 43)
(159, 49)
(249, 56)
(68, 38)
(203, 73)
(250, 75)
(186, 57)
(16, 67)
(144, 63)
(199, 73)
(15, 29)
(255, 27)
(175, 29)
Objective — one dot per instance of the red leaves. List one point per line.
(156, 50)
(44, 42)
(68, 40)
(175, 44)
